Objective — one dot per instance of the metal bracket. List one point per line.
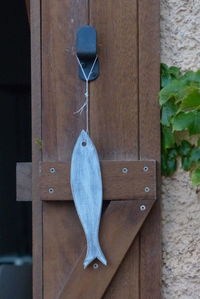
(86, 51)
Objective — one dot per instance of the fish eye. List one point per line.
(84, 143)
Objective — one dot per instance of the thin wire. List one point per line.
(86, 103)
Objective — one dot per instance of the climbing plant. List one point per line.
(180, 113)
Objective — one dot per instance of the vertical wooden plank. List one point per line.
(36, 153)
(149, 84)
(62, 90)
(63, 94)
(114, 108)
(114, 97)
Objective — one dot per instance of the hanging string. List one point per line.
(86, 103)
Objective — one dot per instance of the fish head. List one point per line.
(84, 143)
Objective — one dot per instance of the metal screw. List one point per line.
(52, 170)
(51, 190)
(146, 168)
(124, 170)
(95, 266)
(146, 189)
(142, 208)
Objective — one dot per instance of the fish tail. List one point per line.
(94, 252)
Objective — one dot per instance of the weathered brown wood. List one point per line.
(36, 153)
(61, 249)
(149, 79)
(63, 93)
(125, 283)
(24, 181)
(114, 97)
(115, 127)
(120, 224)
(116, 184)
(114, 100)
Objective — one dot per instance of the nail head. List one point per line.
(142, 208)
(51, 190)
(95, 266)
(52, 170)
(124, 170)
(146, 189)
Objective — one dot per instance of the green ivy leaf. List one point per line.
(195, 155)
(173, 90)
(175, 71)
(184, 148)
(165, 76)
(191, 159)
(191, 76)
(172, 153)
(187, 121)
(195, 177)
(168, 166)
(186, 163)
(168, 74)
(169, 109)
(191, 101)
(180, 110)
(168, 140)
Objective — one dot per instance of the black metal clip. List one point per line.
(86, 50)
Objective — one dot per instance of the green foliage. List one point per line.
(39, 142)
(180, 112)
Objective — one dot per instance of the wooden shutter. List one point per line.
(124, 125)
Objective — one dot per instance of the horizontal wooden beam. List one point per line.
(121, 180)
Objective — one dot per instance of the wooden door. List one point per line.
(124, 125)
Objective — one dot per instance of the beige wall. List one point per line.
(180, 46)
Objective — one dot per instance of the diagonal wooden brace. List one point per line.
(120, 224)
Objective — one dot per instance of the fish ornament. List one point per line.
(86, 186)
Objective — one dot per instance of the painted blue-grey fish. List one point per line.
(86, 185)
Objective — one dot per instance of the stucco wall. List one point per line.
(180, 46)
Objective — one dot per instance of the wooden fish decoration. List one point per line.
(86, 185)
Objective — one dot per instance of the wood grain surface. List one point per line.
(116, 184)
(62, 94)
(149, 85)
(120, 224)
(124, 125)
(37, 205)
(114, 105)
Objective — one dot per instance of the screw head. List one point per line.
(95, 266)
(51, 190)
(52, 170)
(142, 208)
(125, 170)
(146, 168)
(146, 189)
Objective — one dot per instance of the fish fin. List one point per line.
(96, 253)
